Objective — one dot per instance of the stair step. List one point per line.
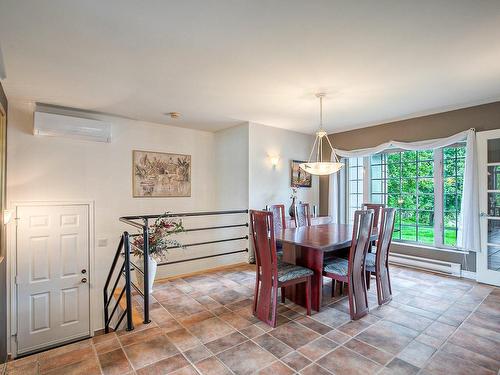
(136, 315)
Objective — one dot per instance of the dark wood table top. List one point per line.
(324, 237)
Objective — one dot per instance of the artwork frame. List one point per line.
(160, 174)
(299, 177)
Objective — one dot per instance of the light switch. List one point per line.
(103, 242)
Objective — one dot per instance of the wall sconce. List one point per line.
(275, 159)
(7, 216)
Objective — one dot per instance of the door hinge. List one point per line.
(16, 280)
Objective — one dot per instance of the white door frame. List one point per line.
(482, 272)
(12, 266)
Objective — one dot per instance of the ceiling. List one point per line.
(223, 62)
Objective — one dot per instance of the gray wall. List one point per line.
(3, 275)
(482, 117)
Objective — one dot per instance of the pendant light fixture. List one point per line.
(320, 167)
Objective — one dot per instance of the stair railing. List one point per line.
(144, 227)
(124, 271)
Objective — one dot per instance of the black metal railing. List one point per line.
(143, 226)
(124, 271)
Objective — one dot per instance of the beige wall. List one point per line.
(62, 169)
(482, 117)
(271, 185)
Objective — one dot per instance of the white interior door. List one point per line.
(52, 275)
(488, 260)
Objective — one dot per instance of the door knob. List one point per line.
(482, 214)
(84, 271)
(84, 280)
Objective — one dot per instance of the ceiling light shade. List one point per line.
(320, 167)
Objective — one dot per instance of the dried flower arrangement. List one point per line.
(159, 241)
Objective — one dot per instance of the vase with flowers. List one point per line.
(293, 197)
(160, 242)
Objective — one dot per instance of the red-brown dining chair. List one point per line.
(376, 207)
(352, 270)
(302, 215)
(271, 274)
(378, 263)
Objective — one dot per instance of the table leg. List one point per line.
(312, 259)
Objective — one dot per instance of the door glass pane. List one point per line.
(494, 150)
(494, 177)
(494, 231)
(494, 204)
(494, 258)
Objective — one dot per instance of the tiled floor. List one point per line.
(203, 324)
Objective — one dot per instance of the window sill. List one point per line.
(413, 245)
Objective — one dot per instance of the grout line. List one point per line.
(452, 334)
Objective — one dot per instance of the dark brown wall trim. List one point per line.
(481, 117)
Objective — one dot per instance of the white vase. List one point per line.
(152, 266)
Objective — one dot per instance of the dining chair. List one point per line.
(302, 215)
(279, 223)
(376, 207)
(352, 271)
(272, 275)
(378, 263)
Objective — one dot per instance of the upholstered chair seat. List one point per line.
(339, 266)
(288, 271)
(370, 260)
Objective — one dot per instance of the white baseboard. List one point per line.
(469, 275)
(448, 268)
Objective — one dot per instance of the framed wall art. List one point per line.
(158, 174)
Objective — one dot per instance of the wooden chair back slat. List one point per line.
(262, 230)
(384, 291)
(362, 231)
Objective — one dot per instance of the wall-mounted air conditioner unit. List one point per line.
(56, 125)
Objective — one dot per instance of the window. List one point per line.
(453, 182)
(355, 186)
(405, 180)
(424, 186)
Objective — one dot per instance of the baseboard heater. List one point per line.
(434, 265)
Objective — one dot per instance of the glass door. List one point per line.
(488, 260)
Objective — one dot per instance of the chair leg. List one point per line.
(367, 277)
(333, 288)
(256, 294)
(283, 289)
(274, 307)
(308, 296)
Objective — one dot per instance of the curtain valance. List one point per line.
(410, 146)
(468, 237)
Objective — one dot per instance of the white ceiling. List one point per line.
(222, 62)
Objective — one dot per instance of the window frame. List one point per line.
(348, 217)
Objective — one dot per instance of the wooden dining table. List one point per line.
(307, 246)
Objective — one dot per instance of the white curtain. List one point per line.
(337, 191)
(468, 231)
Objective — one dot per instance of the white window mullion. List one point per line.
(438, 197)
